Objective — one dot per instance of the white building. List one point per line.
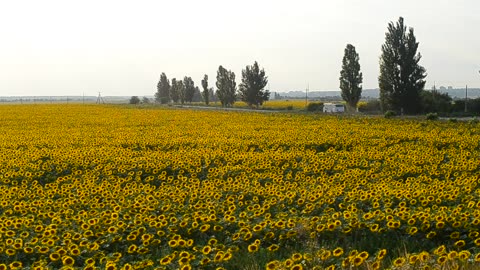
(333, 108)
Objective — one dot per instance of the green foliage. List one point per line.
(401, 78)
(226, 86)
(432, 116)
(145, 100)
(175, 91)
(371, 106)
(163, 89)
(197, 96)
(390, 114)
(189, 89)
(251, 90)
(452, 120)
(351, 78)
(134, 100)
(434, 101)
(315, 106)
(181, 91)
(206, 92)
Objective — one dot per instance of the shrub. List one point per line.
(134, 100)
(434, 101)
(390, 114)
(315, 106)
(432, 116)
(371, 106)
(164, 100)
(452, 120)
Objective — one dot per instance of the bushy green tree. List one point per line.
(181, 91)
(189, 86)
(197, 97)
(351, 78)
(145, 100)
(401, 77)
(174, 91)
(226, 86)
(134, 100)
(436, 102)
(163, 89)
(251, 90)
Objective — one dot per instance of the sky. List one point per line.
(66, 47)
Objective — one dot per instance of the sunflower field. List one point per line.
(119, 187)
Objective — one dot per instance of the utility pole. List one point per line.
(100, 99)
(306, 95)
(466, 96)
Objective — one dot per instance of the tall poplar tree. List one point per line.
(351, 78)
(206, 91)
(252, 89)
(174, 91)
(163, 89)
(189, 86)
(181, 91)
(401, 77)
(226, 86)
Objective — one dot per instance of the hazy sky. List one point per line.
(119, 47)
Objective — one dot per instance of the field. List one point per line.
(120, 187)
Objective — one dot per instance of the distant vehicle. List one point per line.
(333, 108)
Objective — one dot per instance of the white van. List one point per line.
(333, 108)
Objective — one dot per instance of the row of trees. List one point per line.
(251, 90)
(402, 78)
(178, 90)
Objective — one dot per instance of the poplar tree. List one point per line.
(163, 89)
(226, 86)
(401, 77)
(206, 91)
(189, 86)
(252, 89)
(174, 91)
(351, 78)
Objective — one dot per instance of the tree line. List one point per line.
(401, 80)
(251, 89)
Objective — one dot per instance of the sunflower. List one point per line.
(173, 243)
(442, 259)
(459, 244)
(54, 256)
(296, 257)
(337, 252)
(381, 254)
(67, 260)
(288, 262)
(297, 267)
(399, 261)
(166, 260)
(227, 256)
(273, 247)
(375, 265)
(186, 267)
(464, 255)
(15, 265)
(206, 250)
(252, 248)
(412, 259)
(273, 265)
